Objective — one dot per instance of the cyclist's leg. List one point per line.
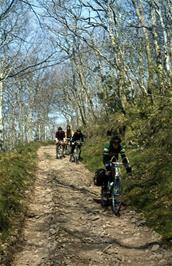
(57, 145)
(72, 151)
(72, 148)
(79, 146)
(63, 148)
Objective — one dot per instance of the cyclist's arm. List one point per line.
(63, 135)
(56, 137)
(73, 137)
(106, 156)
(125, 160)
(82, 138)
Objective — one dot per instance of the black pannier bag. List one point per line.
(99, 177)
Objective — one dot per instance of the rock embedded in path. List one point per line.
(133, 220)
(155, 247)
(110, 250)
(163, 262)
(159, 256)
(95, 218)
(140, 222)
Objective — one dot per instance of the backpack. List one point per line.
(99, 177)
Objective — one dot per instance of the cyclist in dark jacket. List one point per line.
(113, 149)
(60, 137)
(77, 136)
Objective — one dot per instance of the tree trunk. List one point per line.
(158, 67)
(166, 45)
(1, 115)
(140, 14)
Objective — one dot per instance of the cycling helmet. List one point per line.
(59, 128)
(115, 139)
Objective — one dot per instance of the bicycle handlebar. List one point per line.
(116, 163)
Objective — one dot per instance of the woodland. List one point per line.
(97, 65)
(82, 61)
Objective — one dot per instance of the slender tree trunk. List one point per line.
(158, 67)
(140, 14)
(1, 115)
(166, 45)
(78, 99)
(82, 81)
(118, 56)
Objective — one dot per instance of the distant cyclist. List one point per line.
(60, 137)
(68, 139)
(68, 132)
(77, 137)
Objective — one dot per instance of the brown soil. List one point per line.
(66, 224)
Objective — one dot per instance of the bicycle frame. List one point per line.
(115, 183)
(76, 152)
(67, 148)
(113, 191)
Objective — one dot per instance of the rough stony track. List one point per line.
(66, 225)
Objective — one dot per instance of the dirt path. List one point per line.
(66, 226)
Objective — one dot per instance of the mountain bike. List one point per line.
(111, 191)
(59, 150)
(75, 156)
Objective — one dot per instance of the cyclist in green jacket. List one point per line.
(113, 149)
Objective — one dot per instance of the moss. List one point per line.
(92, 153)
(150, 189)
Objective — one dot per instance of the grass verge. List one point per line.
(17, 174)
(150, 189)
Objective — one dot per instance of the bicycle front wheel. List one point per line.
(59, 153)
(116, 205)
(76, 155)
(115, 196)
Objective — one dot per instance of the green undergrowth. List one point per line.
(149, 190)
(92, 152)
(17, 173)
